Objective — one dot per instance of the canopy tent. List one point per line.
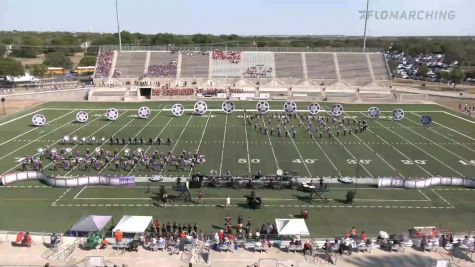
(91, 223)
(133, 224)
(292, 227)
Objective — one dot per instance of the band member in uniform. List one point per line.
(159, 140)
(141, 141)
(117, 140)
(135, 140)
(123, 141)
(169, 141)
(111, 141)
(130, 140)
(150, 141)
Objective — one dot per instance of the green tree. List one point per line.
(58, 59)
(88, 61)
(456, 76)
(422, 71)
(68, 43)
(30, 48)
(10, 67)
(39, 70)
(202, 38)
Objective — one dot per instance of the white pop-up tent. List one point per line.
(292, 227)
(133, 224)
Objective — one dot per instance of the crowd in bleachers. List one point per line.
(163, 71)
(171, 91)
(210, 91)
(258, 71)
(235, 90)
(104, 64)
(231, 56)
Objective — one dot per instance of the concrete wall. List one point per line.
(57, 95)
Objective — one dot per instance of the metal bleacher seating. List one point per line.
(320, 66)
(161, 58)
(353, 66)
(379, 66)
(222, 68)
(262, 62)
(130, 64)
(288, 65)
(194, 65)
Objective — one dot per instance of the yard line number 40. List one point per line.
(298, 161)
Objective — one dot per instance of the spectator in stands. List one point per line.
(163, 71)
(104, 243)
(345, 246)
(19, 237)
(27, 240)
(118, 236)
(104, 63)
(434, 233)
(363, 236)
(231, 56)
(307, 247)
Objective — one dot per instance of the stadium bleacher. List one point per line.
(353, 66)
(162, 65)
(288, 65)
(320, 66)
(130, 64)
(380, 69)
(258, 64)
(194, 65)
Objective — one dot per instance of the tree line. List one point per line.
(57, 46)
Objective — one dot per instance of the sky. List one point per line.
(242, 17)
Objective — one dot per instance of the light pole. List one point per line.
(118, 25)
(365, 24)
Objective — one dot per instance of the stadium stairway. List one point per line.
(337, 67)
(370, 66)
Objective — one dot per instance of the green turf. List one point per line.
(386, 149)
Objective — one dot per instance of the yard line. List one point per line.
(201, 140)
(428, 139)
(123, 147)
(298, 151)
(424, 195)
(443, 199)
(150, 146)
(427, 153)
(324, 153)
(377, 154)
(17, 118)
(33, 141)
(448, 113)
(222, 149)
(247, 146)
(446, 136)
(351, 154)
(60, 197)
(76, 196)
(271, 146)
(74, 167)
(464, 135)
(50, 145)
(176, 142)
(404, 155)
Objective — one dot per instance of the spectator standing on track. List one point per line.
(200, 197)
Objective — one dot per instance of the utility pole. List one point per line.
(365, 24)
(118, 25)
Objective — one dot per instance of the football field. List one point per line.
(385, 149)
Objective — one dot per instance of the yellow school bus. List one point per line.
(55, 70)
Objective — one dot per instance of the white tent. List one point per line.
(133, 224)
(292, 227)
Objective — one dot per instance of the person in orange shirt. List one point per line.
(118, 236)
(182, 235)
(19, 237)
(104, 243)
